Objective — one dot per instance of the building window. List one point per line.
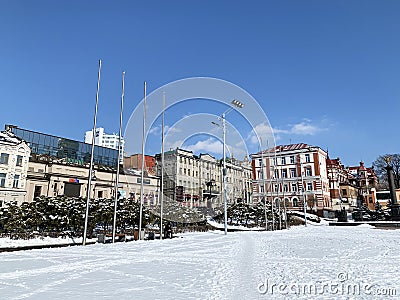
(276, 173)
(16, 181)
(2, 179)
(292, 159)
(260, 162)
(307, 158)
(308, 171)
(283, 160)
(294, 187)
(309, 186)
(344, 192)
(285, 188)
(4, 158)
(284, 173)
(295, 202)
(276, 188)
(19, 160)
(293, 173)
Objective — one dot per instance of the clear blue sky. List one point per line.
(326, 73)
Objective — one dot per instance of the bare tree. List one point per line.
(380, 170)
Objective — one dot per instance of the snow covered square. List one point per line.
(313, 262)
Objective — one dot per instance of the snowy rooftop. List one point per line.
(9, 137)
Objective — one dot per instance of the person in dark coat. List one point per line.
(168, 230)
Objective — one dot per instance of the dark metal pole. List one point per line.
(394, 205)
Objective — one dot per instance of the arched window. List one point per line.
(295, 202)
(287, 202)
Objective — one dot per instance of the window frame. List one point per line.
(4, 158)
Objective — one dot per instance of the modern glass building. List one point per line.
(71, 151)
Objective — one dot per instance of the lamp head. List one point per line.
(237, 103)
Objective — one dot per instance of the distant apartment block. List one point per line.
(105, 140)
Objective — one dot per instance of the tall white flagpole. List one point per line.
(119, 157)
(272, 174)
(162, 169)
(142, 175)
(264, 187)
(224, 174)
(89, 187)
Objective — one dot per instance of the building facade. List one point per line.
(105, 140)
(135, 162)
(342, 185)
(197, 180)
(292, 175)
(56, 166)
(65, 150)
(351, 187)
(48, 178)
(14, 157)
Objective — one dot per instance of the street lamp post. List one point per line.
(238, 104)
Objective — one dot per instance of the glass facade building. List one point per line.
(71, 151)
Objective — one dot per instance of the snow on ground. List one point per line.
(11, 243)
(313, 262)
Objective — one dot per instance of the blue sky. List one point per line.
(325, 72)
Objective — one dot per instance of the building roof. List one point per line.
(10, 138)
(286, 148)
(333, 162)
(354, 170)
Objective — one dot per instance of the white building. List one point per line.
(197, 180)
(47, 177)
(105, 140)
(14, 158)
